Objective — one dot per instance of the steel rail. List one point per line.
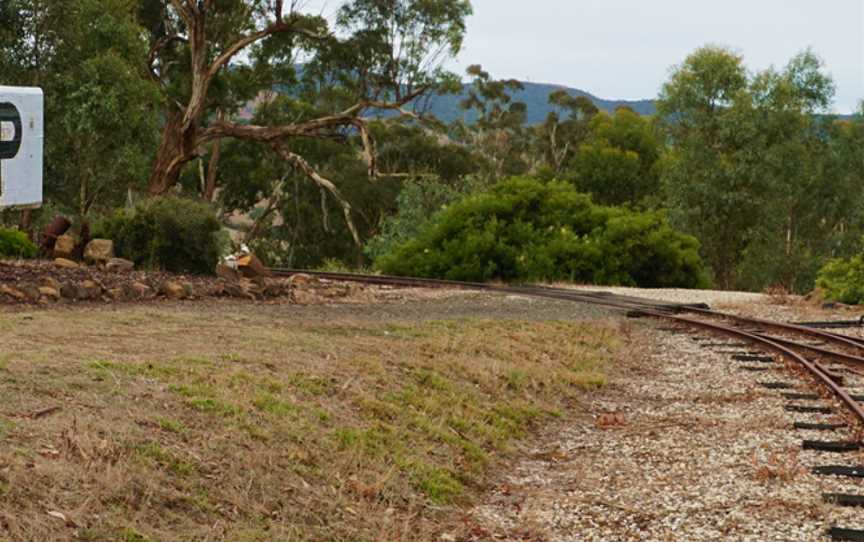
(647, 308)
(828, 336)
(814, 368)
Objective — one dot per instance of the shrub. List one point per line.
(843, 280)
(167, 233)
(15, 244)
(417, 203)
(526, 230)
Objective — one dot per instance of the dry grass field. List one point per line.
(242, 422)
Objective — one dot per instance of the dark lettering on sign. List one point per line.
(9, 115)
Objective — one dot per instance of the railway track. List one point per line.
(826, 361)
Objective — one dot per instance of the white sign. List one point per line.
(21, 140)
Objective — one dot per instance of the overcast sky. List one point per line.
(623, 49)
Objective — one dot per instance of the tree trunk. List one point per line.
(213, 168)
(175, 151)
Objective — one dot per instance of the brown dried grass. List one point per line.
(238, 423)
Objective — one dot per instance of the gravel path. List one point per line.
(679, 295)
(686, 445)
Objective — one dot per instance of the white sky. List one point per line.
(623, 49)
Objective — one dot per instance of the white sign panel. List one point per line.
(21, 139)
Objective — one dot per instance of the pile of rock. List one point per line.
(70, 251)
(244, 276)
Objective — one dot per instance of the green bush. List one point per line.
(417, 203)
(15, 244)
(526, 230)
(843, 280)
(167, 233)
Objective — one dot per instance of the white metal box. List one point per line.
(21, 140)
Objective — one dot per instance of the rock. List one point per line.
(251, 267)
(99, 251)
(226, 272)
(64, 247)
(50, 282)
(116, 294)
(172, 290)
(234, 289)
(251, 286)
(51, 232)
(119, 265)
(141, 291)
(74, 291)
(49, 292)
(93, 290)
(63, 263)
(188, 290)
(302, 279)
(30, 291)
(12, 292)
(276, 288)
(305, 297)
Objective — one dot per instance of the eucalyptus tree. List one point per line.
(211, 57)
(495, 123)
(617, 162)
(710, 172)
(566, 127)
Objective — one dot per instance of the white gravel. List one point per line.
(696, 450)
(679, 295)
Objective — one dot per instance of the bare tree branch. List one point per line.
(301, 164)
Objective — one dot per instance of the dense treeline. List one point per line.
(310, 141)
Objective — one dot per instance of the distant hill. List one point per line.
(536, 97)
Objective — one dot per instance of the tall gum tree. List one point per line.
(212, 57)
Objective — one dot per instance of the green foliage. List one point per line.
(167, 233)
(417, 203)
(755, 172)
(88, 56)
(15, 244)
(843, 280)
(526, 230)
(617, 163)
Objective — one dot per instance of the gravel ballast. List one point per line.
(684, 445)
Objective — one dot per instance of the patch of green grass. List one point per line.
(5, 427)
(313, 385)
(214, 406)
(516, 379)
(438, 484)
(171, 426)
(432, 380)
(271, 404)
(192, 390)
(164, 458)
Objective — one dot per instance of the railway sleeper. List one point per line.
(843, 499)
(808, 408)
(777, 385)
(839, 470)
(836, 446)
(754, 369)
(840, 533)
(810, 426)
(753, 357)
(800, 396)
